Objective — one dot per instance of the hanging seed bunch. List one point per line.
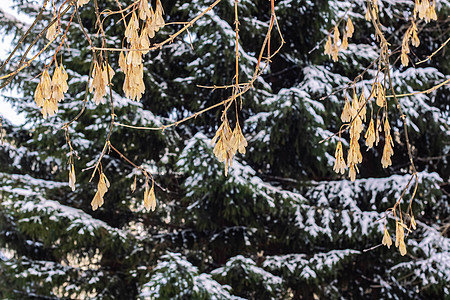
(354, 116)
(375, 11)
(426, 10)
(51, 91)
(101, 76)
(149, 193)
(228, 143)
(332, 47)
(400, 235)
(410, 35)
(131, 63)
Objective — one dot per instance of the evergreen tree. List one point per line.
(281, 224)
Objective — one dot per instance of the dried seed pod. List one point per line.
(149, 198)
(158, 16)
(344, 44)
(52, 30)
(387, 241)
(336, 37)
(144, 42)
(388, 146)
(402, 247)
(49, 108)
(370, 135)
(339, 164)
(46, 85)
(223, 149)
(102, 188)
(238, 141)
(38, 96)
(353, 169)
(350, 28)
(335, 52)
(346, 115)
(381, 99)
(144, 10)
(72, 177)
(328, 46)
(59, 84)
(122, 62)
(131, 32)
(133, 185)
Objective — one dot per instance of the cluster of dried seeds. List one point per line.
(374, 11)
(228, 143)
(426, 10)
(131, 63)
(100, 80)
(354, 114)
(51, 91)
(400, 228)
(410, 35)
(332, 48)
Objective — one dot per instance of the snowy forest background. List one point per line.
(282, 224)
